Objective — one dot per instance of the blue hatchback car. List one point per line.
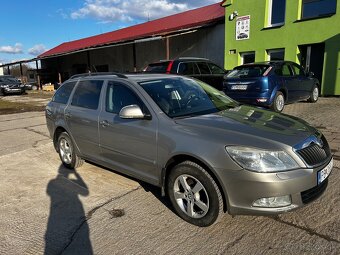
(271, 84)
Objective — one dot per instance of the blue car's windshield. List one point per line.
(184, 97)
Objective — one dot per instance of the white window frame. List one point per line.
(242, 54)
(273, 51)
(270, 8)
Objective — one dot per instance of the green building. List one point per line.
(304, 31)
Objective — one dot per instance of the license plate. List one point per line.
(324, 173)
(239, 87)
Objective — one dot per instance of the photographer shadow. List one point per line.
(67, 219)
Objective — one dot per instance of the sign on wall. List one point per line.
(242, 27)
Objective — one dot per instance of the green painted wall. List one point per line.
(289, 36)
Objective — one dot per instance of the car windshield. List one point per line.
(185, 97)
(157, 67)
(247, 71)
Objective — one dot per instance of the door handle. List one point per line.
(68, 115)
(104, 123)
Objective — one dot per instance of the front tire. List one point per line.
(194, 194)
(279, 102)
(314, 95)
(67, 153)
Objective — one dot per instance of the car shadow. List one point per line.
(67, 218)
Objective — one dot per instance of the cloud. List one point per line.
(134, 10)
(16, 49)
(37, 49)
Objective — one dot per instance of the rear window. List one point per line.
(157, 67)
(87, 94)
(248, 71)
(63, 93)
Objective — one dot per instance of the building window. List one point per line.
(277, 54)
(277, 12)
(317, 8)
(247, 57)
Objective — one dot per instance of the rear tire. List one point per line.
(194, 194)
(314, 95)
(67, 153)
(279, 102)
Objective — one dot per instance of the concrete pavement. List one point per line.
(47, 209)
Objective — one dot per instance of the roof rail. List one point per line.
(119, 75)
(193, 58)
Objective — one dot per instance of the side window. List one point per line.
(63, 93)
(284, 71)
(187, 68)
(87, 94)
(298, 70)
(119, 96)
(215, 69)
(204, 68)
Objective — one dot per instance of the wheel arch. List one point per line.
(177, 159)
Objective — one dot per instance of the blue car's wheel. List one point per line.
(314, 95)
(279, 102)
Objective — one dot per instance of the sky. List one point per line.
(29, 28)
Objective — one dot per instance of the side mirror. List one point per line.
(133, 112)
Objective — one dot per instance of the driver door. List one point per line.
(128, 145)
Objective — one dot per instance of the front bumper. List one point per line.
(244, 187)
(14, 90)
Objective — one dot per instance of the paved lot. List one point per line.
(48, 209)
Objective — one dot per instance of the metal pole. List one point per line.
(8, 70)
(167, 48)
(88, 62)
(38, 76)
(134, 57)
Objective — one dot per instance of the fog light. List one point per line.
(273, 201)
(261, 100)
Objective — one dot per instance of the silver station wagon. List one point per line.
(208, 153)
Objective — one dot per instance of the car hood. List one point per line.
(251, 124)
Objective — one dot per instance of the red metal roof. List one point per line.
(185, 20)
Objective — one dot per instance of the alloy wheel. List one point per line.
(191, 196)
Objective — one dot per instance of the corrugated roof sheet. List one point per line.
(185, 20)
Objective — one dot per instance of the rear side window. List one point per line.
(63, 93)
(87, 94)
(204, 68)
(215, 69)
(119, 96)
(158, 67)
(188, 68)
(297, 70)
(284, 71)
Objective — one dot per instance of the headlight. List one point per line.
(261, 160)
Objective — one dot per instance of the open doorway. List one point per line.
(311, 58)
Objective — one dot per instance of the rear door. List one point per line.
(128, 145)
(305, 83)
(290, 82)
(205, 72)
(82, 114)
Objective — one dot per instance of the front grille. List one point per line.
(314, 154)
(313, 193)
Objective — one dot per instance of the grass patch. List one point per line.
(39, 94)
(7, 107)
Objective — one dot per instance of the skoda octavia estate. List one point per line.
(208, 153)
